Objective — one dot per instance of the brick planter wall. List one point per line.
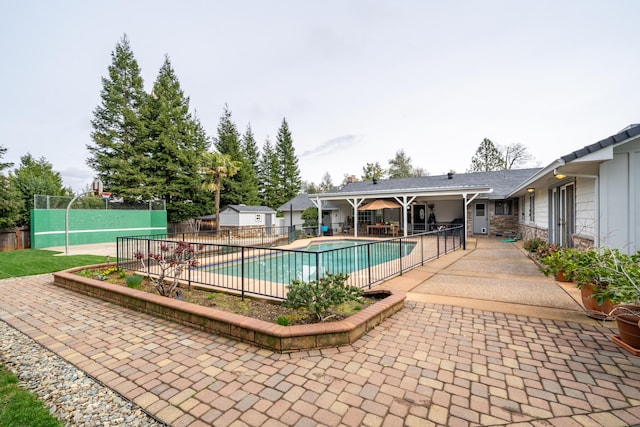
(263, 334)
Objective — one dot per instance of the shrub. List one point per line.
(172, 261)
(320, 295)
(532, 245)
(134, 281)
(282, 321)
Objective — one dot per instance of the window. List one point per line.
(532, 207)
(504, 208)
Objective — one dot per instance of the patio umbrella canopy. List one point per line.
(380, 204)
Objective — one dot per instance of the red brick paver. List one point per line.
(426, 365)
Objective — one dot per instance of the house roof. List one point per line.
(626, 133)
(564, 164)
(249, 209)
(302, 202)
(502, 182)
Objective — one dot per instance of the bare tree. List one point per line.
(515, 155)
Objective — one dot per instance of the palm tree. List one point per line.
(217, 166)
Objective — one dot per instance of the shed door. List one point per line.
(480, 218)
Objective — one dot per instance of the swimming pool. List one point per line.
(315, 260)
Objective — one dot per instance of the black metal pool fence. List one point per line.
(260, 269)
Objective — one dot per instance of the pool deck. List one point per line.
(464, 351)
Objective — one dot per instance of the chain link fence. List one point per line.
(94, 202)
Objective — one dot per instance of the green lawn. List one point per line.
(19, 407)
(34, 261)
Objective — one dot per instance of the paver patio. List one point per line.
(429, 364)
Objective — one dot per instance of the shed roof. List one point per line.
(302, 202)
(249, 209)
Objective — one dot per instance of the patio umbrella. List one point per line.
(380, 204)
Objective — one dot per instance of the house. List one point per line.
(293, 209)
(590, 196)
(243, 216)
(428, 202)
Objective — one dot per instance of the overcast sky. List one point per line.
(356, 80)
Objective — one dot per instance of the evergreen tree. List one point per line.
(290, 182)
(269, 176)
(400, 166)
(251, 156)
(35, 176)
(238, 188)
(487, 158)
(118, 153)
(373, 170)
(10, 202)
(177, 143)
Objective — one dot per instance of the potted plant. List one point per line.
(558, 263)
(618, 280)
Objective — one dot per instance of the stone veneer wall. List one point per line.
(531, 232)
(501, 225)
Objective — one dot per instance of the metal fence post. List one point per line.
(242, 272)
(369, 263)
(400, 255)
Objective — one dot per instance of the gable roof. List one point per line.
(302, 202)
(248, 209)
(626, 133)
(502, 182)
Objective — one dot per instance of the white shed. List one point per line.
(247, 216)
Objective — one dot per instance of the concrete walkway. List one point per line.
(465, 350)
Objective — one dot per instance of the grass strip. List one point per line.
(21, 408)
(28, 262)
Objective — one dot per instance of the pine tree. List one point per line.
(290, 182)
(400, 166)
(35, 176)
(238, 188)
(251, 156)
(269, 177)
(118, 153)
(487, 158)
(177, 143)
(10, 202)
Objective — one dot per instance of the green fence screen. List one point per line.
(92, 225)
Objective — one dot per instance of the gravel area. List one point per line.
(70, 395)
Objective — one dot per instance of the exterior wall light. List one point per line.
(530, 190)
(558, 174)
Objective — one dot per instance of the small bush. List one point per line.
(532, 245)
(282, 321)
(319, 296)
(134, 281)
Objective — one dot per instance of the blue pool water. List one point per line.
(315, 260)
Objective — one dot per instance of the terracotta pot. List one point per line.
(591, 306)
(628, 328)
(560, 277)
